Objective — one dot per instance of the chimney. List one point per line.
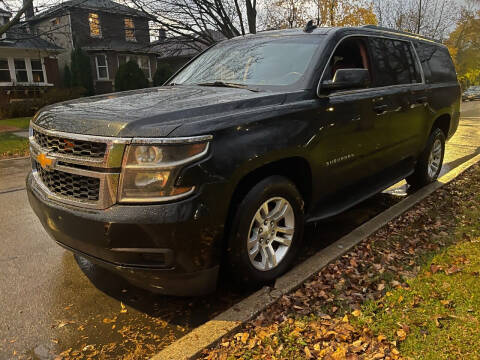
(29, 10)
(162, 34)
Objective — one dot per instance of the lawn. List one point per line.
(12, 145)
(409, 291)
(21, 123)
(437, 314)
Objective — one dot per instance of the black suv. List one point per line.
(220, 169)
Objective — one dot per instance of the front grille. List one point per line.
(70, 146)
(82, 188)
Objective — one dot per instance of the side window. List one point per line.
(436, 62)
(351, 53)
(394, 62)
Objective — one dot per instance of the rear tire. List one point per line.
(430, 161)
(266, 232)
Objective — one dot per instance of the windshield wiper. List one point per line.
(227, 84)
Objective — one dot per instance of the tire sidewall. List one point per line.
(239, 261)
(436, 134)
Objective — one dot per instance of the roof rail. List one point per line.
(382, 28)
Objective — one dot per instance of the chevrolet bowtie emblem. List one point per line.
(45, 162)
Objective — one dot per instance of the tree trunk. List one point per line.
(4, 28)
(252, 15)
(419, 20)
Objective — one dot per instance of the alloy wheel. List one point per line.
(435, 158)
(271, 233)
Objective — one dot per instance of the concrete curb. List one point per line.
(16, 158)
(191, 345)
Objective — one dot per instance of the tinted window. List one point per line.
(436, 62)
(394, 62)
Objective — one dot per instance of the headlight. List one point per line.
(150, 171)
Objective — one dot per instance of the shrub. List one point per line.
(81, 71)
(67, 77)
(130, 77)
(28, 107)
(163, 73)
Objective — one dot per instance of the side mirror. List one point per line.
(348, 79)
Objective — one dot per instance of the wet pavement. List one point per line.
(52, 302)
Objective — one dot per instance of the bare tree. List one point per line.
(431, 18)
(283, 14)
(15, 20)
(194, 20)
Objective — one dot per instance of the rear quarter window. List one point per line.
(394, 62)
(436, 62)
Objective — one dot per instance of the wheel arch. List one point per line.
(296, 169)
(442, 122)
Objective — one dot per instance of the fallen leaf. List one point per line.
(108, 321)
(308, 354)
(435, 268)
(356, 313)
(401, 334)
(381, 338)
(124, 309)
(452, 270)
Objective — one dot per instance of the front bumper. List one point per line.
(168, 248)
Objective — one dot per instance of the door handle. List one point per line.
(422, 100)
(380, 109)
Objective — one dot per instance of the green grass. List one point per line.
(21, 123)
(440, 308)
(12, 145)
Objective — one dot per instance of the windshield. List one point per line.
(258, 61)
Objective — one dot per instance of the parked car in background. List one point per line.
(219, 170)
(472, 93)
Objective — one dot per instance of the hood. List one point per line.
(154, 112)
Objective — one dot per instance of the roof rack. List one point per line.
(382, 28)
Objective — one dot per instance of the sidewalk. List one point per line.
(386, 299)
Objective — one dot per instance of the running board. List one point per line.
(357, 194)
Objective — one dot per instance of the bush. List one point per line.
(28, 107)
(67, 77)
(81, 71)
(163, 73)
(130, 77)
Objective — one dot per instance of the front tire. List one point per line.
(430, 162)
(266, 232)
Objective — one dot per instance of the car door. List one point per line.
(350, 129)
(404, 98)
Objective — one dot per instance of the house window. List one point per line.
(102, 67)
(144, 64)
(4, 71)
(37, 71)
(94, 21)
(21, 70)
(129, 29)
(3, 20)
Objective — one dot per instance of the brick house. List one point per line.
(28, 64)
(109, 32)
